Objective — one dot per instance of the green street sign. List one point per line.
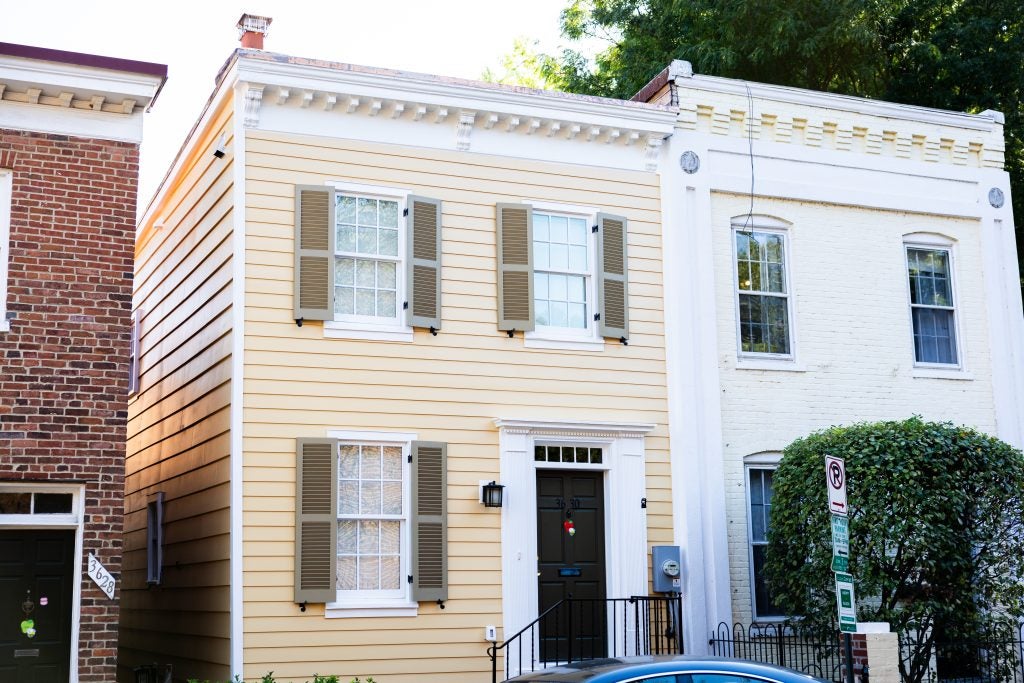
(840, 543)
(846, 603)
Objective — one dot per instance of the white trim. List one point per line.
(74, 521)
(540, 339)
(469, 95)
(939, 372)
(237, 417)
(347, 329)
(84, 123)
(371, 437)
(986, 121)
(625, 520)
(338, 610)
(772, 226)
(694, 394)
(87, 80)
(6, 193)
(769, 364)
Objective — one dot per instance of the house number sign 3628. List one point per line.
(103, 578)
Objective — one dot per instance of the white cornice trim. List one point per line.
(986, 121)
(84, 81)
(409, 89)
(572, 427)
(84, 123)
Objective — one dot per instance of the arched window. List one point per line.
(762, 287)
(932, 299)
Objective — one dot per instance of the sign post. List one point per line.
(846, 603)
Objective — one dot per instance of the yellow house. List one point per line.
(361, 295)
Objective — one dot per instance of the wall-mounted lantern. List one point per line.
(490, 494)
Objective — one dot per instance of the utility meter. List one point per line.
(667, 569)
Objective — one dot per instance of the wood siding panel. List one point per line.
(178, 429)
(446, 388)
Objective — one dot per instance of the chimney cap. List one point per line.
(253, 23)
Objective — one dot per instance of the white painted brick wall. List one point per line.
(853, 336)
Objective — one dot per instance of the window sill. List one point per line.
(942, 373)
(544, 340)
(339, 610)
(334, 329)
(770, 364)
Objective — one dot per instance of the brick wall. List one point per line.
(64, 372)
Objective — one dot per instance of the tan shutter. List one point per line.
(612, 286)
(314, 253)
(423, 263)
(316, 520)
(515, 267)
(429, 521)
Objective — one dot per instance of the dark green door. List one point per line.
(571, 565)
(36, 573)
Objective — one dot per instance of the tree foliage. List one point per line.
(936, 519)
(964, 55)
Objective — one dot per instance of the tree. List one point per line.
(964, 55)
(936, 519)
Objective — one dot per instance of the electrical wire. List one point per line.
(748, 222)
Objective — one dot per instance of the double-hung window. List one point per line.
(6, 183)
(763, 293)
(372, 521)
(759, 492)
(931, 305)
(367, 260)
(563, 274)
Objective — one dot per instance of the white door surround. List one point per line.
(623, 463)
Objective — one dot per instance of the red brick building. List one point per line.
(70, 128)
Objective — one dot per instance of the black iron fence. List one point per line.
(782, 644)
(574, 630)
(995, 655)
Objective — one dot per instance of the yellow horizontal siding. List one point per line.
(178, 426)
(448, 388)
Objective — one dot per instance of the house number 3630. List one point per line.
(103, 578)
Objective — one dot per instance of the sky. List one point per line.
(194, 38)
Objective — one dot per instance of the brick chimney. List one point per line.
(251, 29)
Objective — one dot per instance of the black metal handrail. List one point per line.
(578, 629)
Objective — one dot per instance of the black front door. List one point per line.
(36, 572)
(571, 565)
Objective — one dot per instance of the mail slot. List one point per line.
(26, 653)
(569, 571)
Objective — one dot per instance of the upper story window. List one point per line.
(762, 292)
(368, 261)
(563, 282)
(6, 183)
(932, 308)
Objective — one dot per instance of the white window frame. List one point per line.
(133, 354)
(371, 327)
(6, 189)
(934, 242)
(155, 538)
(567, 338)
(752, 359)
(381, 603)
(761, 461)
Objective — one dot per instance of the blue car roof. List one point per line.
(628, 668)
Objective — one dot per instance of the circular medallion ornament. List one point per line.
(996, 198)
(689, 161)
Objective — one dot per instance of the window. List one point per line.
(133, 354)
(759, 491)
(372, 522)
(762, 290)
(931, 305)
(367, 262)
(154, 539)
(6, 180)
(563, 292)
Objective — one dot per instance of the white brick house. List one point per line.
(796, 224)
